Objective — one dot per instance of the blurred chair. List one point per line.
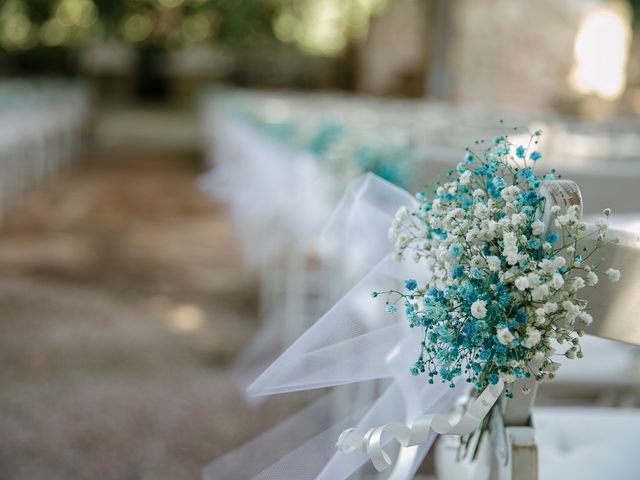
(42, 129)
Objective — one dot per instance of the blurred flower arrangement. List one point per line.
(506, 269)
(347, 153)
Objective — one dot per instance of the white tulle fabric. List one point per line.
(355, 341)
(352, 341)
(267, 187)
(352, 242)
(279, 224)
(357, 347)
(278, 200)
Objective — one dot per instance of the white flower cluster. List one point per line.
(504, 273)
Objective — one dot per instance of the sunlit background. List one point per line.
(456, 50)
(130, 283)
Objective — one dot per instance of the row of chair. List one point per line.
(42, 129)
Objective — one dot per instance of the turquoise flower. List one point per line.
(456, 250)
(533, 244)
(410, 284)
(457, 271)
(477, 273)
(552, 237)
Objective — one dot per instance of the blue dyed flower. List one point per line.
(477, 273)
(410, 284)
(500, 360)
(504, 299)
(552, 237)
(533, 244)
(535, 156)
(433, 292)
(527, 173)
(485, 355)
(455, 249)
(457, 271)
(530, 198)
(439, 233)
(391, 309)
(520, 152)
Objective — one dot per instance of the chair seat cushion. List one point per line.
(588, 443)
(605, 362)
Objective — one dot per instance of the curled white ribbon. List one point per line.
(417, 433)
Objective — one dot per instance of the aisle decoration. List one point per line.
(506, 259)
(272, 153)
(485, 286)
(342, 149)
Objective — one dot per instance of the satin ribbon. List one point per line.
(417, 433)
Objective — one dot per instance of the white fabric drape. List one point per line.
(357, 341)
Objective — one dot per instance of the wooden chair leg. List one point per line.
(522, 460)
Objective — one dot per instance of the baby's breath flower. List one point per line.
(504, 281)
(578, 283)
(613, 274)
(509, 193)
(522, 283)
(479, 309)
(602, 223)
(505, 337)
(586, 318)
(537, 227)
(533, 337)
(557, 281)
(494, 263)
